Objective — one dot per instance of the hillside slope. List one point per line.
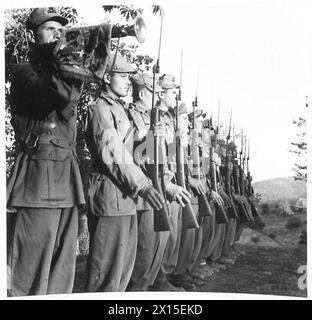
(284, 188)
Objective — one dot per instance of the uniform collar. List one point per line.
(111, 100)
(139, 108)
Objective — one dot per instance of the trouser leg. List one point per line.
(147, 257)
(42, 251)
(218, 241)
(112, 252)
(238, 231)
(197, 244)
(207, 237)
(185, 251)
(229, 236)
(171, 252)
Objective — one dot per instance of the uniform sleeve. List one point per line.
(41, 92)
(109, 150)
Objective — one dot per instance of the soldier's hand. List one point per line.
(153, 197)
(196, 185)
(226, 199)
(216, 198)
(182, 196)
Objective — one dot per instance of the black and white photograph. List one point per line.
(156, 150)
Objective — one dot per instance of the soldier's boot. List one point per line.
(217, 266)
(228, 254)
(235, 253)
(207, 270)
(236, 249)
(226, 261)
(179, 280)
(195, 275)
(195, 280)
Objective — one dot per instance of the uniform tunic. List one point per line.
(151, 245)
(45, 187)
(171, 252)
(115, 184)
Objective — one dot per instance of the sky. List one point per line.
(252, 56)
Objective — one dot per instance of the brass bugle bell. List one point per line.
(138, 30)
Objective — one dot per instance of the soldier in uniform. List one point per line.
(44, 188)
(168, 101)
(151, 244)
(191, 239)
(116, 182)
(226, 170)
(208, 223)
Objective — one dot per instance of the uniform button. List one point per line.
(50, 155)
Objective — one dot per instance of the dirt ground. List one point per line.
(266, 268)
(263, 270)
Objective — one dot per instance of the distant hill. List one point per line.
(284, 188)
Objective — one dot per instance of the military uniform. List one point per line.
(227, 165)
(44, 188)
(116, 182)
(170, 256)
(208, 222)
(191, 239)
(151, 244)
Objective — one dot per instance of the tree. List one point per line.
(299, 148)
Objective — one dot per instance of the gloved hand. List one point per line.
(196, 185)
(178, 194)
(153, 197)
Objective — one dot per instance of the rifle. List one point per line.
(228, 160)
(221, 216)
(188, 217)
(239, 200)
(242, 177)
(249, 188)
(161, 217)
(228, 172)
(203, 204)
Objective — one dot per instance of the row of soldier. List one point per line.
(204, 192)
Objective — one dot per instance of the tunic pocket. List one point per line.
(48, 176)
(102, 196)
